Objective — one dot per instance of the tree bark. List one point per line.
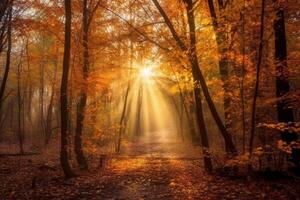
(81, 160)
(243, 77)
(4, 21)
(20, 130)
(29, 87)
(284, 112)
(8, 54)
(64, 157)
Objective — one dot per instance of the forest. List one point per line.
(149, 99)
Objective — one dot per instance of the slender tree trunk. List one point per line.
(243, 77)
(70, 105)
(256, 86)
(8, 55)
(64, 157)
(197, 92)
(20, 131)
(83, 94)
(29, 87)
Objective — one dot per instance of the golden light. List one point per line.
(146, 72)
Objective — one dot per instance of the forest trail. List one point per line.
(161, 144)
(155, 167)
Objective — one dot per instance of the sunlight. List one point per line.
(147, 72)
(149, 97)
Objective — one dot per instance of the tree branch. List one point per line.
(136, 29)
(170, 25)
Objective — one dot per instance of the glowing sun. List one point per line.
(146, 72)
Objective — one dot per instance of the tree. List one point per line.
(284, 112)
(222, 42)
(256, 86)
(6, 5)
(64, 157)
(197, 92)
(83, 93)
(4, 19)
(20, 107)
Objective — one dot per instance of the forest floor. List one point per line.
(150, 169)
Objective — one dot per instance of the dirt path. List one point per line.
(151, 169)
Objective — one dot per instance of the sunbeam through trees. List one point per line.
(149, 99)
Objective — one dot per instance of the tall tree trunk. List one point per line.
(64, 157)
(243, 76)
(70, 104)
(83, 93)
(256, 86)
(222, 41)
(197, 92)
(20, 131)
(284, 112)
(8, 55)
(29, 87)
(5, 6)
